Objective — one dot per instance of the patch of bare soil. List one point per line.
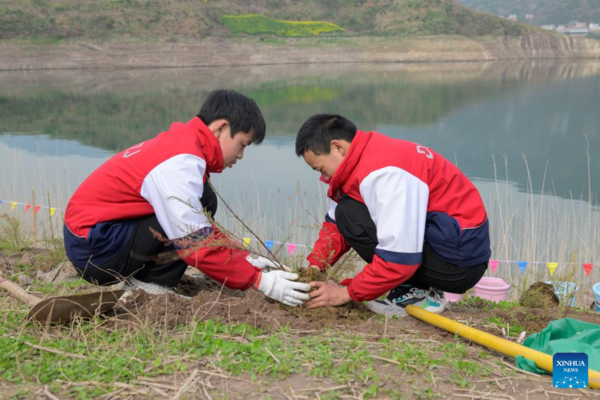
(10, 263)
(211, 301)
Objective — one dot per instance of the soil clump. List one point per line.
(539, 295)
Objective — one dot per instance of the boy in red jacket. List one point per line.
(162, 185)
(413, 216)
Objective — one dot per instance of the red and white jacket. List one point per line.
(413, 195)
(163, 176)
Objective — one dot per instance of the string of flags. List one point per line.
(587, 267)
(291, 247)
(36, 208)
(493, 264)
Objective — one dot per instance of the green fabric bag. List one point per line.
(565, 335)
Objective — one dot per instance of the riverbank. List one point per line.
(212, 52)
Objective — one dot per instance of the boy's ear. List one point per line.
(340, 146)
(217, 127)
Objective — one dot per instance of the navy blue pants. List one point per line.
(356, 226)
(145, 257)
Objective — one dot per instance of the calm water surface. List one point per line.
(529, 126)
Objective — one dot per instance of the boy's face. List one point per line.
(327, 164)
(232, 147)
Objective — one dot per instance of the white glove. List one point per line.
(279, 286)
(265, 263)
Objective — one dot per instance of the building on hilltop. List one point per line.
(577, 29)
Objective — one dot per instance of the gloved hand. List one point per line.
(265, 263)
(280, 286)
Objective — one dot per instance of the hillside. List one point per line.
(170, 20)
(544, 11)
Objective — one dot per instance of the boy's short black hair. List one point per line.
(319, 130)
(240, 111)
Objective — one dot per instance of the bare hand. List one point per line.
(328, 294)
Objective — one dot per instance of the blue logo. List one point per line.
(570, 370)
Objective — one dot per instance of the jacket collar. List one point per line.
(347, 166)
(210, 145)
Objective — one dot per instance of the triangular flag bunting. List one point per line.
(52, 211)
(269, 244)
(522, 266)
(36, 209)
(13, 205)
(551, 267)
(246, 241)
(587, 267)
(494, 265)
(291, 247)
(27, 207)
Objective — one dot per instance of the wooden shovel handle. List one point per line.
(18, 291)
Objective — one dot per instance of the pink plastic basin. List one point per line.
(494, 289)
(452, 297)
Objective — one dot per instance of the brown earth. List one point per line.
(209, 300)
(215, 52)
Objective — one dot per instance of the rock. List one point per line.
(24, 280)
(64, 272)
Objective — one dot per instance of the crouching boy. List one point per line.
(160, 188)
(414, 217)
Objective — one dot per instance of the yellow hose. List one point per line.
(542, 360)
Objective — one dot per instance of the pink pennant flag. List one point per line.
(552, 267)
(291, 247)
(587, 267)
(36, 209)
(27, 207)
(494, 265)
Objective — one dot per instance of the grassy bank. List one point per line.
(169, 20)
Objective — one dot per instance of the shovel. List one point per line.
(64, 308)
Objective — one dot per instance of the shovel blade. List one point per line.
(65, 308)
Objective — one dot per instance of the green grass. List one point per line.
(253, 24)
(88, 359)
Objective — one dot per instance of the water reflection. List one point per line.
(469, 112)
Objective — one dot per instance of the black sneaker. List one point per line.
(397, 300)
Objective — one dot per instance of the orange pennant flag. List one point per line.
(552, 267)
(587, 267)
(27, 207)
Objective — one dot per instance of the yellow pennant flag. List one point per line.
(246, 241)
(551, 267)
(13, 205)
(52, 211)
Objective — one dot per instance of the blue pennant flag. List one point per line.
(522, 266)
(269, 244)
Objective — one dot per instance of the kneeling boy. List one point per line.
(413, 216)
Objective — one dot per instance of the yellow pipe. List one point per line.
(542, 360)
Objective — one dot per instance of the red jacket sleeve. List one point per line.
(329, 247)
(221, 259)
(378, 278)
